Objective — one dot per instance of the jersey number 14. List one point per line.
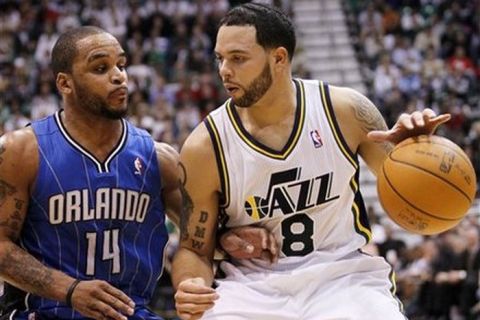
(111, 250)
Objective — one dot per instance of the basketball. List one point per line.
(426, 184)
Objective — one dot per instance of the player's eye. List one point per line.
(238, 59)
(100, 68)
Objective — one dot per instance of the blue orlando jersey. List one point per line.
(96, 220)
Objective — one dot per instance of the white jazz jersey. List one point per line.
(307, 194)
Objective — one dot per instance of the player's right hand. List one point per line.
(410, 125)
(250, 242)
(193, 298)
(98, 299)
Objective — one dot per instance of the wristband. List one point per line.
(72, 287)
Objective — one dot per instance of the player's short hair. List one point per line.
(65, 49)
(274, 28)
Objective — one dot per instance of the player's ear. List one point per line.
(280, 57)
(64, 83)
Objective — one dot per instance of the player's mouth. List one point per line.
(120, 93)
(231, 89)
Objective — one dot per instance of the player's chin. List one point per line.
(115, 111)
(119, 102)
(119, 106)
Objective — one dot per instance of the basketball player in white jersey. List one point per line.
(282, 154)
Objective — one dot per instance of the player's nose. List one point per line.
(119, 75)
(224, 70)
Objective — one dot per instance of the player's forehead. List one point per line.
(98, 45)
(236, 39)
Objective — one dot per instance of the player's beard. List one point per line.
(98, 105)
(256, 89)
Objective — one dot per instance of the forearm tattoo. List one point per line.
(30, 273)
(16, 263)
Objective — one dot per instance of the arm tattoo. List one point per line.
(199, 240)
(6, 189)
(13, 223)
(183, 178)
(370, 118)
(187, 209)
(187, 204)
(25, 269)
(368, 114)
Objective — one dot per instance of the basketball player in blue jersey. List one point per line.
(83, 195)
(282, 154)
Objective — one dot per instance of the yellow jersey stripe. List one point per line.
(393, 290)
(358, 225)
(358, 210)
(354, 185)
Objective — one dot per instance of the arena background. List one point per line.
(404, 55)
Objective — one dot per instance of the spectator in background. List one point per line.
(470, 285)
(392, 248)
(16, 118)
(44, 45)
(141, 74)
(44, 103)
(386, 78)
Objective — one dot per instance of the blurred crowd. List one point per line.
(423, 53)
(437, 277)
(172, 84)
(415, 54)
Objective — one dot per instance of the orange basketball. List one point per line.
(426, 184)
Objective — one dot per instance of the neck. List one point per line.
(91, 131)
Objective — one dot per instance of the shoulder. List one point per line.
(356, 115)
(168, 160)
(198, 159)
(345, 99)
(19, 154)
(198, 143)
(353, 107)
(166, 154)
(21, 142)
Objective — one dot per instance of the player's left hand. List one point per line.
(193, 298)
(250, 242)
(410, 125)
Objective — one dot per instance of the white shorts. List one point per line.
(356, 287)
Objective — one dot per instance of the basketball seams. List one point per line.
(456, 150)
(433, 174)
(409, 203)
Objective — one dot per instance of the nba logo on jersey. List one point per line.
(317, 140)
(138, 166)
